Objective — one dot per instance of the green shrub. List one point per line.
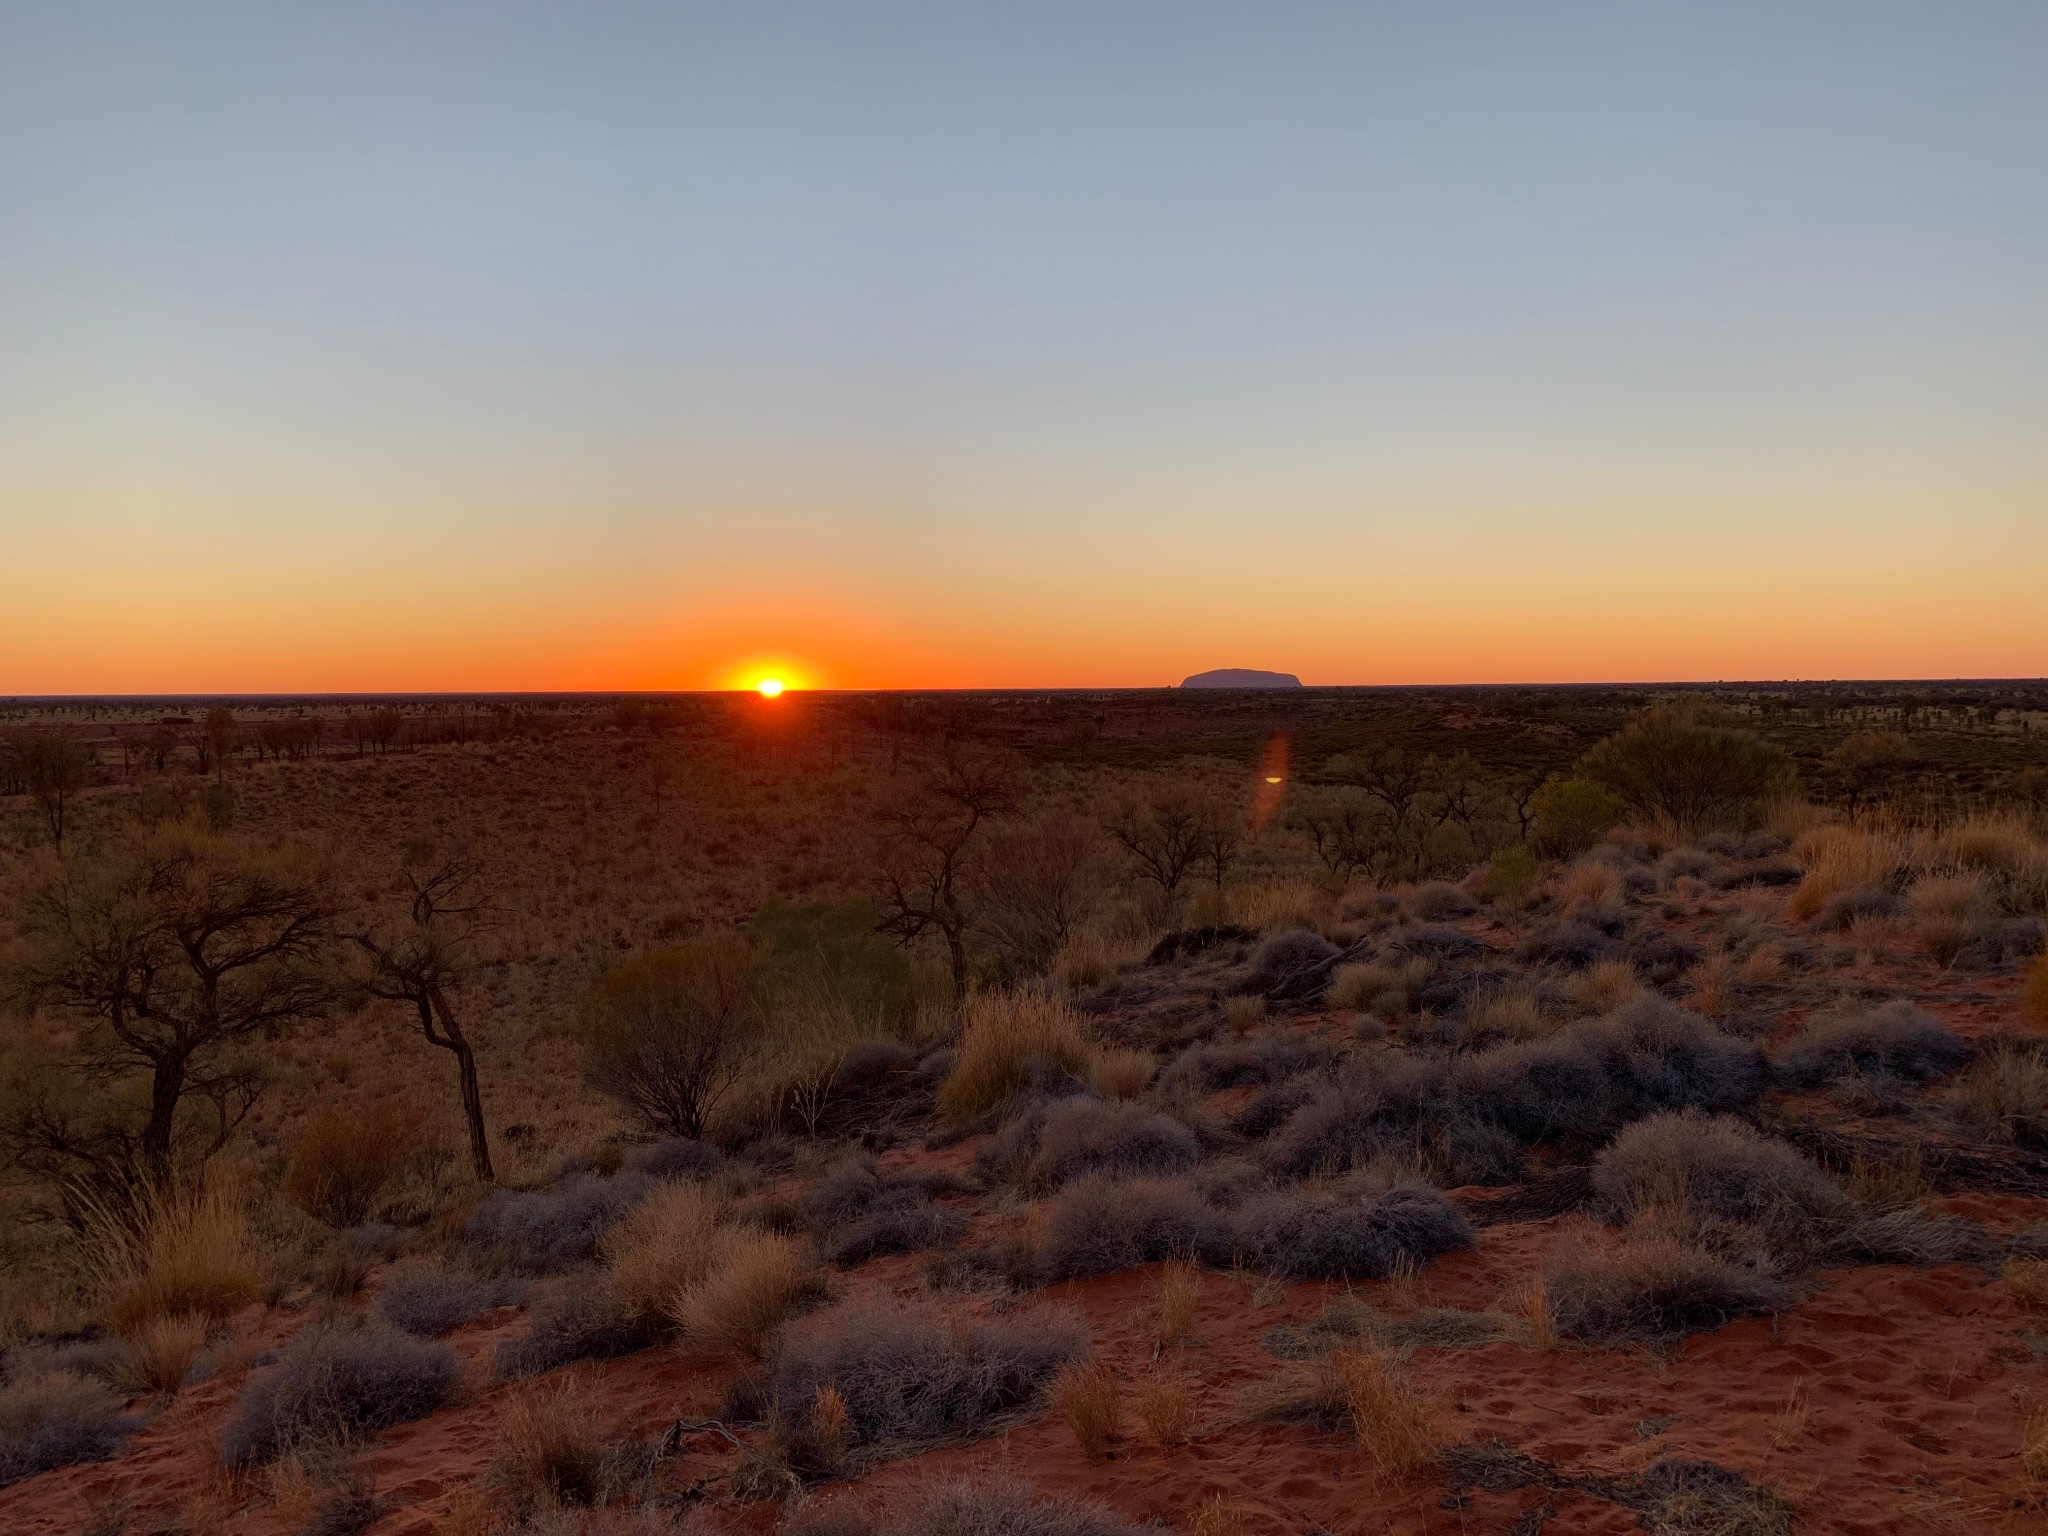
(1690, 766)
(1572, 815)
(1511, 873)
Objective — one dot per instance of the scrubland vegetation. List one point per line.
(914, 1076)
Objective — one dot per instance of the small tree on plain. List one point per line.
(423, 959)
(177, 957)
(1164, 833)
(670, 1033)
(931, 837)
(1689, 765)
(55, 767)
(1033, 889)
(219, 731)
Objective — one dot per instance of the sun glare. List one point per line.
(769, 687)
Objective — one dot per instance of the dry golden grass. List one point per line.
(1166, 1405)
(1388, 1413)
(348, 1155)
(1244, 1014)
(2027, 1279)
(1299, 1392)
(553, 1448)
(1217, 1517)
(666, 1244)
(1534, 1308)
(1090, 1398)
(1604, 987)
(1123, 1073)
(1790, 1426)
(1512, 1012)
(1590, 880)
(179, 1253)
(1006, 1033)
(1949, 911)
(161, 1351)
(753, 1284)
(2034, 1447)
(1709, 986)
(1174, 1301)
(1840, 858)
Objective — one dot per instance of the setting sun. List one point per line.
(769, 687)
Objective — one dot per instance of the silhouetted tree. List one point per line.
(175, 956)
(219, 730)
(422, 960)
(55, 767)
(930, 837)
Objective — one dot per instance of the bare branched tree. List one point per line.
(55, 767)
(177, 957)
(1034, 887)
(422, 960)
(930, 838)
(1162, 832)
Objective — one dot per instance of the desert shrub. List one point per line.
(1100, 1223)
(1295, 964)
(1571, 815)
(1203, 1069)
(1838, 859)
(424, 1300)
(1951, 913)
(1012, 1040)
(1329, 1239)
(663, 1244)
(336, 1384)
(547, 1231)
(1720, 1168)
(57, 1420)
(1438, 942)
(1054, 1142)
(669, 1033)
(1434, 900)
(1690, 766)
(1650, 1282)
(174, 1252)
(576, 1318)
(1857, 905)
(348, 1155)
(894, 1229)
(1391, 1106)
(554, 1451)
(1035, 889)
(1511, 874)
(2004, 1094)
(1896, 1040)
(1122, 1072)
(1512, 1012)
(906, 1370)
(753, 1282)
(1569, 942)
(676, 1157)
(831, 947)
(1595, 1076)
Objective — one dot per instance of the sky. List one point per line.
(500, 344)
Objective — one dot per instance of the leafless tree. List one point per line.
(1034, 885)
(219, 732)
(176, 956)
(421, 961)
(55, 767)
(1163, 833)
(669, 1033)
(930, 837)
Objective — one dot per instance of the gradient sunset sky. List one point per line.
(502, 345)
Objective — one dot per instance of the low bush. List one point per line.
(57, 1420)
(1569, 942)
(1330, 1239)
(670, 1034)
(574, 1319)
(1204, 1069)
(1291, 965)
(347, 1157)
(1691, 766)
(907, 1370)
(425, 1300)
(340, 1385)
(1013, 1040)
(1392, 1106)
(1100, 1223)
(1718, 1168)
(1571, 815)
(1054, 1142)
(676, 1157)
(547, 1231)
(1434, 900)
(1896, 1040)
(1651, 1281)
(894, 1229)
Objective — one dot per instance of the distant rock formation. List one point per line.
(1241, 677)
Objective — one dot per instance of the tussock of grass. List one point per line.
(1011, 1040)
(754, 1282)
(175, 1252)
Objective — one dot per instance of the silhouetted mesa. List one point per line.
(1242, 677)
